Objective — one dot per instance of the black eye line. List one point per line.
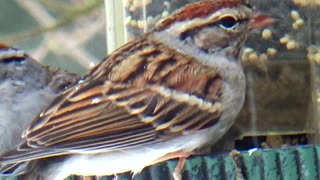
(188, 33)
(239, 21)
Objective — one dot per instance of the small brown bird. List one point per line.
(26, 87)
(177, 88)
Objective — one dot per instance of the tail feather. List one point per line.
(14, 169)
(18, 156)
(38, 169)
(14, 162)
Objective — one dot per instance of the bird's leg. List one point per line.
(179, 167)
(182, 155)
(86, 177)
(235, 158)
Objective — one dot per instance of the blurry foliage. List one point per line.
(61, 33)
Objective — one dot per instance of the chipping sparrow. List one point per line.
(176, 89)
(26, 87)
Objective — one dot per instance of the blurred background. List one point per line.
(281, 61)
(63, 33)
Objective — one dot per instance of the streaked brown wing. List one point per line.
(107, 115)
(143, 93)
(92, 116)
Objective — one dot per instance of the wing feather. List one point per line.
(111, 110)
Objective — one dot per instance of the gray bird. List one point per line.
(26, 87)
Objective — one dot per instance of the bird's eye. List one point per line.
(228, 22)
